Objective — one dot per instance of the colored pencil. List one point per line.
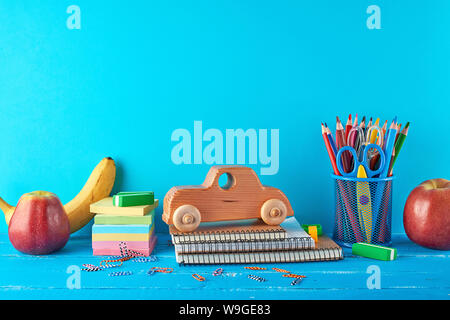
(389, 148)
(380, 195)
(340, 140)
(369, 124)
(331, 139)
(399, 143)
(362, 125)
(331, 154)
(355, 122)
(348, 126)
(373, 135)
(383, 132)
(399, 127)
(342, 187)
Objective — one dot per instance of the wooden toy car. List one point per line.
(243, 197)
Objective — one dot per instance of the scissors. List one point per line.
(365, 162)
(358, 140)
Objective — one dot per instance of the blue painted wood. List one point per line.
(418, 273)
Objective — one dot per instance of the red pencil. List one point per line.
(348, 126)
(340, 141)
(330, 151)
(355, 123)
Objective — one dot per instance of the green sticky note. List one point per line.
(374, 251)
(134, 192)
(133, 199)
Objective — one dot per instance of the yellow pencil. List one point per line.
(373, 134)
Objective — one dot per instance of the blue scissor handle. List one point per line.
(365, 161)
(339, 162)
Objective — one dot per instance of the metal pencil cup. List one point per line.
(363, 210)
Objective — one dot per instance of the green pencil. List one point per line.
(399, 143)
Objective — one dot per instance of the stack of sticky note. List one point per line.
(127, 217)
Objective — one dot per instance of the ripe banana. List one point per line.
(97, 187)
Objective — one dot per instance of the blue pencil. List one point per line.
(331, 139)
(379, 194)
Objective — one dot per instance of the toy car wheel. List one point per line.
(186, 218)
(273, 212)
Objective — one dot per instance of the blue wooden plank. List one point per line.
(418, 273)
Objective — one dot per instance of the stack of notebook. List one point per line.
(118, 220)
(251, 241)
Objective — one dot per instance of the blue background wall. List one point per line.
(138, 70)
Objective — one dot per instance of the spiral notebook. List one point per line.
(327, 250)
(239, 230)
(296, 246)
(295, 238)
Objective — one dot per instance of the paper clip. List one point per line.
(123, 249)
(296, 281)
(281, 270)
(255, 268)
(291, 275)
(159, 269)
(120, 273)
(198, 277)
(107, 263)
(256, 278)
(149, 259)
(91, 268)
(218, 272)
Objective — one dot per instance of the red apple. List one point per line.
(426, 216)
(39, 224)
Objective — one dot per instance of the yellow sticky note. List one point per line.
(312, 231)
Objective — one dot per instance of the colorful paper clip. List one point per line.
(120, 273)
(281, 270)
(91, 268)
(296, 281)
(159, 269)
(149, 259)
(255, 268)
(291, 275)
(218, 272)
(256, 278)
(198, 277)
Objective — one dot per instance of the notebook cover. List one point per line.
(106, 206)
(326, 250)
(247, 229)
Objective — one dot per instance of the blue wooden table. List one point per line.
(418, 273)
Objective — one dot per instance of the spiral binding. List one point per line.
(324, 254)
(228, 236)
(250, 245)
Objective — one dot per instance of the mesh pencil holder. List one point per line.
(363, 210)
